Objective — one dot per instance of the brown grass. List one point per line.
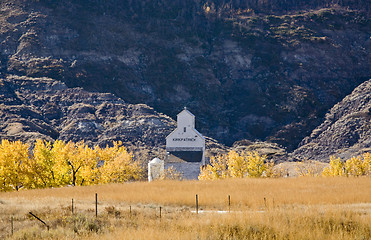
(295, 208)
(275, 224)
(213, 194)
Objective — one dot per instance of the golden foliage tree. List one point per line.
(39, 168)
(60, 157)
(61, 164)
(235, 165)
(238, 165)
(335, 168)
(217, 169)
(355, 166)
(367, 162)
(81, 163)
(12, 167)
(118, 164)
(358, 166)
(256, 165)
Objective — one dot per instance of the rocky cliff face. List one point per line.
(43, 108)
(346, 131)
(245, 76)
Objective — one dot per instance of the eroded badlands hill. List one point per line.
(44, 108)
(258, 71)
(346, 131)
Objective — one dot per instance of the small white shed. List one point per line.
(155, 169)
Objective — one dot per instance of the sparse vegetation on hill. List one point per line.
(346, 131)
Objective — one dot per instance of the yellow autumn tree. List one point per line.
(60, 156)
(358, 166)
(235, 165)
(39, 167)
(367, 163)
(335, 168)
(12, 169)
(355, 166)
(217, 169)
(61, 164)
(89, 169)
(81, 163)
(256, 165)
(117, 165)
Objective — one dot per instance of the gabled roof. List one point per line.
(197, 132)
(186, 110)
(194, 129)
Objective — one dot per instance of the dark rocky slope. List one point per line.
(245, 76)
(346, 131)
(43, 108)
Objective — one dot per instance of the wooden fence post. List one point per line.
(11, 224)
(72, 206)
(196, 203)
(96, 204)
(229, 203)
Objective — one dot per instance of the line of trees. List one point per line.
(355, 166)
(251, 164)
(67, 163)
(64, 163)
(237, 165)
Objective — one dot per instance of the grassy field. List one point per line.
(283, 208)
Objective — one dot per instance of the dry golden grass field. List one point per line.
(294, 208)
